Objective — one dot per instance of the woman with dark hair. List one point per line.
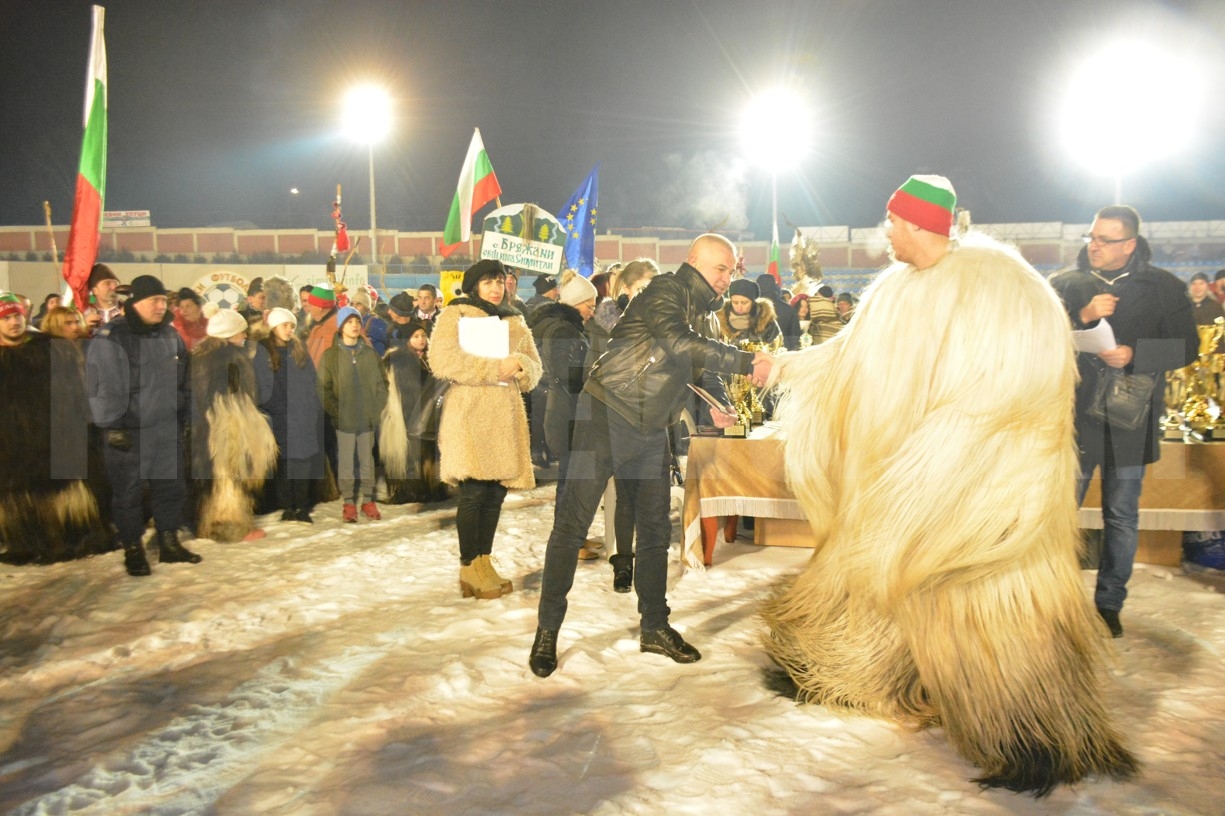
(410, 453)
(296, 414)
(189, 319)
(483, 435)
(51, 301)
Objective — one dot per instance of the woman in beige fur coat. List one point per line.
(483, 436)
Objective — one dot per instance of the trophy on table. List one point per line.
(1201, 409)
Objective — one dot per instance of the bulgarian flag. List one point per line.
(772, 266)
(477, 187)
(82, 248)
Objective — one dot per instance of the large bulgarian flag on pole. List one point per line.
(82, 247)
(477, 187)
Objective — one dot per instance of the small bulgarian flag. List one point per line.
(772, 266)
(477, 187)
(82, 249)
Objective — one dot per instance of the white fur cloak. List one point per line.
(931, 447)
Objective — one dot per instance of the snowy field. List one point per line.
(335, 669)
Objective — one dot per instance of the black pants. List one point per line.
(155, 460)
(604, 444)
(477, 510)
(292, 483)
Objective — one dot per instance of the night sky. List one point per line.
(218, 108)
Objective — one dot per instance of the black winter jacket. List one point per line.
(558, 332)
(664, 341)
(1153, 316)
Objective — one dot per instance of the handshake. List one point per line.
(762, 364)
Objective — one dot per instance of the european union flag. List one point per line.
(578, 217)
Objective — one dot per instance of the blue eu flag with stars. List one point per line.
(578, 217)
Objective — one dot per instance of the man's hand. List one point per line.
(509, 369)
(118, 438)
(762, 363)
(1101, 306)
(1117, 357)
(722, 420)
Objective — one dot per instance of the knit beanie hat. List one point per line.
(544, 283)
(278, 316)
(344, 313)
(146, 286)
(322, 296)
(744, 288)
(1199, 276)
(478, 270)
(226, 323)
(927, 202)
(360, 297)
(767, 284)
(576, 289)
(11, 304)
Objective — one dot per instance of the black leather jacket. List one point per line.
(664, 341)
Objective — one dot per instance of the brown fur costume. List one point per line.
(233, 447)
(931, 447)
(48, 509)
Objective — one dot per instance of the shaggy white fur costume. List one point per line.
(931, 447)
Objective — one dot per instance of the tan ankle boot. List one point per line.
(474, 581)
(487, 565)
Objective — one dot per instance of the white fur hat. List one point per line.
(226, 323)
(576, 289)
(278, 316)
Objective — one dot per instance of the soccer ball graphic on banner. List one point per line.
(225, 295)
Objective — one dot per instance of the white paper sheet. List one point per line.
(1095, 340)
(487, 337)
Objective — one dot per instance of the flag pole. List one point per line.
(55, 253)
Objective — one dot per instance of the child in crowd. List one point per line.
(353, 390)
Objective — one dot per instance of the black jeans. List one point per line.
(604, 444)
(477, 510)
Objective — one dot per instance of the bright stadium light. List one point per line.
(777, 130)
(1129, 105)
(367, 119)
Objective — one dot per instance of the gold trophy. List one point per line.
(1201, 409)
(1175, 395)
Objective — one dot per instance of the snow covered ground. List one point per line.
(336, 669)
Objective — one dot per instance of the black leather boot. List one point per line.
(623, 572)
(134, 560)
(172, 552)
(544, 653)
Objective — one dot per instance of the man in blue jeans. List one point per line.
(1150, 314)
(663, 342)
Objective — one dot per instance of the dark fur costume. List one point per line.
(411, 463)
(48, 505)
(233, 449)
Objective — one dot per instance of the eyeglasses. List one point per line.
(1100, 241)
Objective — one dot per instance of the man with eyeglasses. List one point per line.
(1151, 317)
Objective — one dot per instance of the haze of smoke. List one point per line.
(706, 191)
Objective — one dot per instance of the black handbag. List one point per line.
(429, 413)
(1121, 400)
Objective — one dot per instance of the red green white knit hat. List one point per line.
(11, 304)
(927, 202)
(322, 296)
